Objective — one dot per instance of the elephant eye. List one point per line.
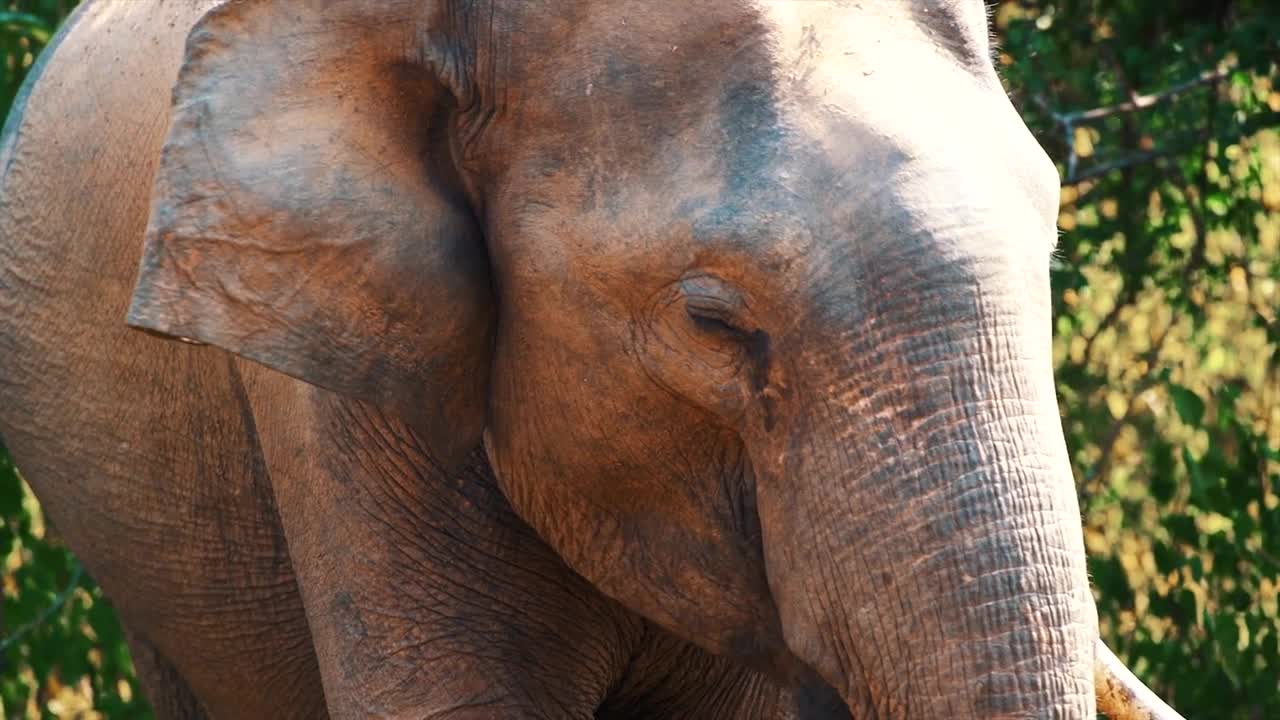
(715, 318)
(713, 306)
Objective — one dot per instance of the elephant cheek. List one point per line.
(674, 558)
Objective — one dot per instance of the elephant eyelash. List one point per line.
(717, 321)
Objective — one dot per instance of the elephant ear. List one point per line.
(306, 214)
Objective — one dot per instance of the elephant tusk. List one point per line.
(1121, 695)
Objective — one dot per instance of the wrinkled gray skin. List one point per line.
(742, 307)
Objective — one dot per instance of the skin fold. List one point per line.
(578, 360)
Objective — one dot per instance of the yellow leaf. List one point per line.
(1239, 281)
(1083, 142)
(1117, 403)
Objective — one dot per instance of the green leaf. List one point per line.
(1183, 529)
(1188, 404)
(1167, 558)
(1218, 203)
(27, 24)
(1162, 471)
(1196, 476)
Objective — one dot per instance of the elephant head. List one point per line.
(748, 303)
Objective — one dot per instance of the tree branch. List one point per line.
(1197, 209)
(58, 601)
(1124, 162)
(1138, 101)
(1069, 121)
(1251, 126)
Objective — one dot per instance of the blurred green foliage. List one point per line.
(1162, 116)
(63, 652)
(25, 28)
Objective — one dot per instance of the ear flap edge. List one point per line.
(295, 222)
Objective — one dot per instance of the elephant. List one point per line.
(578, 360)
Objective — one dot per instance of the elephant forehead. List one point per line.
(581, 71)
(746, 134)
(805, 31)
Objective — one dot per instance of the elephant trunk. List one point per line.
(946, 581)
(922, 533)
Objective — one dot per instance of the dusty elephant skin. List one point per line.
(578, 360)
